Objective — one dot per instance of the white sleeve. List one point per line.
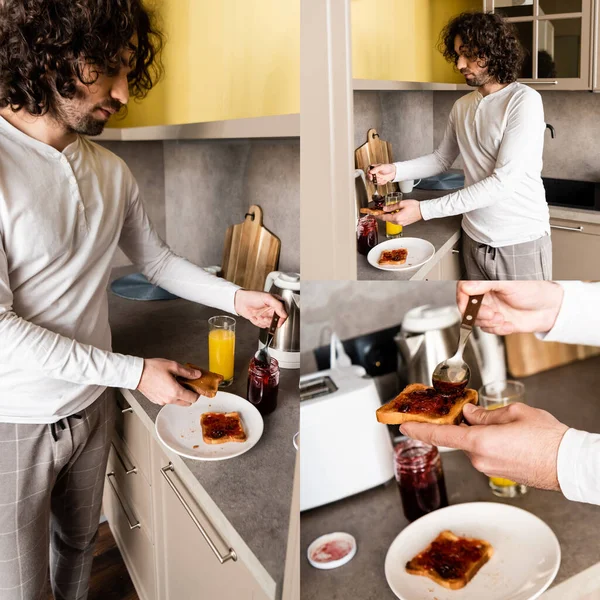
(431, 164)
(164, 268)
(522, 138)
(578, 320)
(578, 466)
(29, 346)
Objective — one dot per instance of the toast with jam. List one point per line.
(451, 561)
(392, 258)
(375, 212)
(423, 404)
(220, 428)
(206, 385)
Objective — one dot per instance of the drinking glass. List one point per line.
(496, 395)
(221, 347)
(393, 231)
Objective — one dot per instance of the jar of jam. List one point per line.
(419, 474)
(366, 234)
(263, 385)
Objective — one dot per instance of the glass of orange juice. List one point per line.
(221, 347)
(496, 395)
(392, 230)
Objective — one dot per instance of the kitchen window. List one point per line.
(556, 35)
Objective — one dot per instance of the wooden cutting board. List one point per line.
(372, 152)
(526, 355)
(251, 251)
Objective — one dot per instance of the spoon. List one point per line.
(376, 197)
(452, 375)
(262, 355)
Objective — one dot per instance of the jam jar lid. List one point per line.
(331, 550)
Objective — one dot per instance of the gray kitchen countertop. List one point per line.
(442, 233)
(571, 393)
(254, 490)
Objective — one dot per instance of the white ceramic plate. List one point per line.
(178, 427)
(525, 561)
(419, 252)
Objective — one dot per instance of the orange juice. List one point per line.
(392, 230)
(500, 481)
(221, 351)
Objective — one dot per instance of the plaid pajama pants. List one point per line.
(51, 481)
(530, 260)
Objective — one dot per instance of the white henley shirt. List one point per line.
(62, 216)
(500, 138)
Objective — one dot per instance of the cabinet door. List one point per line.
(557, 37)
(450, 268)
(575, 250)
(596, 47)
(187, 565)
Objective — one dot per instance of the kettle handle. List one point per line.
(271, 277)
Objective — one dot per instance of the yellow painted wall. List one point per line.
(397, 39)
(224, 59)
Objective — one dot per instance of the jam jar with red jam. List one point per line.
(366, 234)
(420, 477)
(263, 385)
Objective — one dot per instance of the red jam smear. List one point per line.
(451, 559)
(218, 425)
(330, 551)
(396, 255)
(427, 401)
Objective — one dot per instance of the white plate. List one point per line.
(419, 252)
(178, 427)
(525, 561)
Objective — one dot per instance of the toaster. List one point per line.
(345, 450)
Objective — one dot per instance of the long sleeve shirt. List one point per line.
(500, 138)
(62, 216)
(578, 322)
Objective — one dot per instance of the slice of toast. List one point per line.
(451, 561)
(220, 428)
(393, 257)
(417, 402)
(376, 212)
(206, 385)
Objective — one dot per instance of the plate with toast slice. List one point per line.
(216, 428)
(472, 551)
(401, 254)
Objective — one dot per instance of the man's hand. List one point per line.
(385, 173)
(158, 382)
(517, 442)
(258, 307)
(406, 212)
(513, 306)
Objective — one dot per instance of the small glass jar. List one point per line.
(367, 236)
(263, 385)
(420, 478)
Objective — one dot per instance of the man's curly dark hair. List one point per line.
(45, 44)
(487, 38)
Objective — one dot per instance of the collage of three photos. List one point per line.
(298, 300)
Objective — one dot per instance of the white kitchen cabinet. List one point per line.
(194, 561)
(575, 250)
(596, 47)
(558, 38)
(450, 267)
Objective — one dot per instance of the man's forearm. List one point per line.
(424, 166)
(31, 347)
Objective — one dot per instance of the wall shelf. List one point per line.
(278, 126)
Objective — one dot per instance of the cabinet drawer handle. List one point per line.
(580, 228)
(536, 82)
(132, 525)
(231, 555)
(131, 471)
(126, 410)
(455, 251)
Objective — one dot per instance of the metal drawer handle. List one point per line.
(537, 82)
(231, 555)
(455, 251)
(131, 471)
(580, 228)
(126, 410)
(132, 525)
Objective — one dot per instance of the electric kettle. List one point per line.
(285, 346)
(429, 335)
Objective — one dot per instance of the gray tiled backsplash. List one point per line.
(415, 123)
(194, 190)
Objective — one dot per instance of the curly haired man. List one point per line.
(66, 203)
(498, 129)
